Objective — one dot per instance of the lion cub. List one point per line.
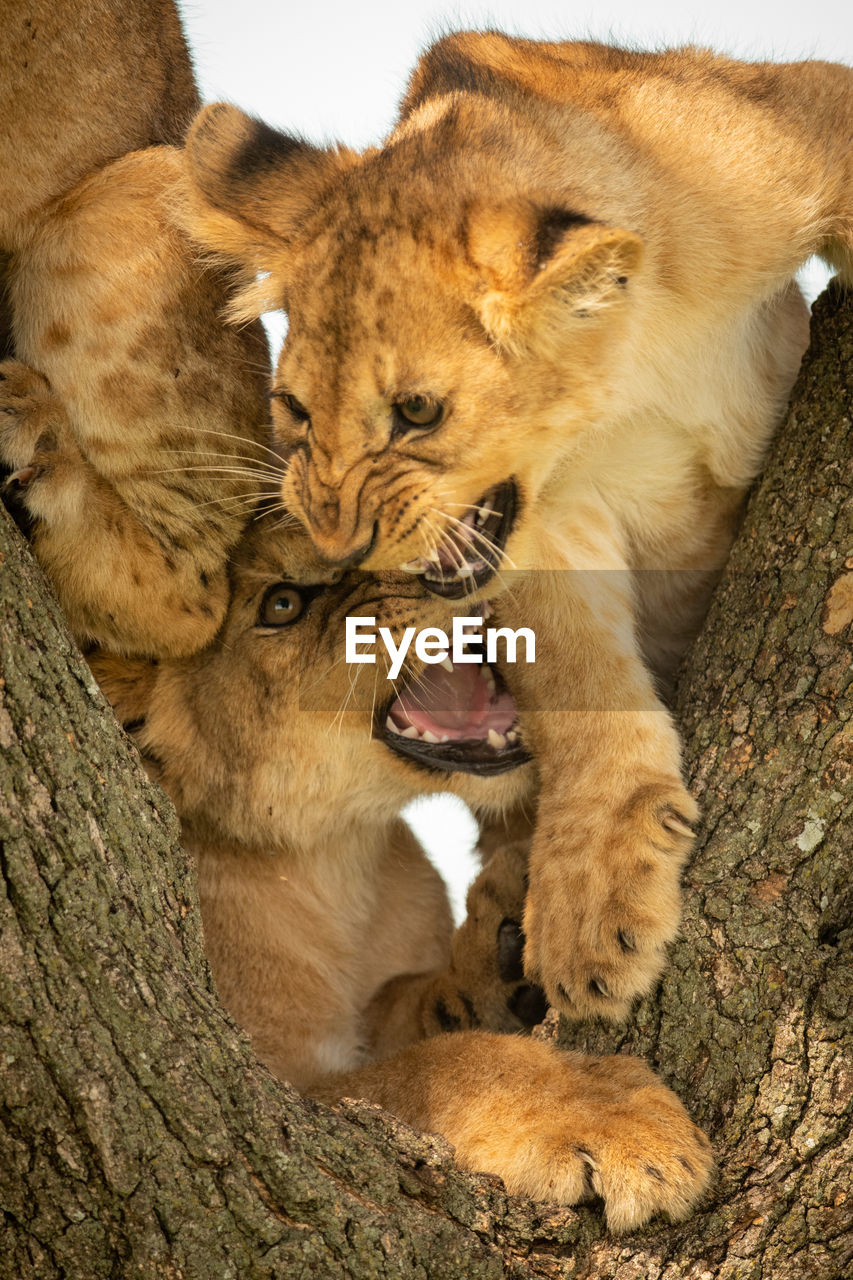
(327, 929)
(550, 326)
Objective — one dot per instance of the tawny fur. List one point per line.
(154, 435)
(587, 256)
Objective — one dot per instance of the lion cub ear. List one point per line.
(540, 268)
(251, 187)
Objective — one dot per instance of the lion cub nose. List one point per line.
(354, 558)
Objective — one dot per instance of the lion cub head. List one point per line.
(269, 737)
(455, 314)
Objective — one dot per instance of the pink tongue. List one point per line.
(456, 705)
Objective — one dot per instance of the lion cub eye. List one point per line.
(417, 411)
(281, 605)
(291, 404)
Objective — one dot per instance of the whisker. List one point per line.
(353, 681)
(373, 704)
(496, 572)
(468, 587)
(451, 547)
(257, 464)
(246, 441)
(287, 521)
(249, 500)
(467, 506)
(246, 472)
(322, 676)
(270, 509)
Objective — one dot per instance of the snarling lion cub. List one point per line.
(550, 325)
(107, 300)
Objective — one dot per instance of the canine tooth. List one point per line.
(411, 732)
(446, 663)
(414, 566)
(496, 740)
(428, 736)
(390, 725)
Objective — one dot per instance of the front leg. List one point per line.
(615, 820)
(157, 409)
(555, 1126)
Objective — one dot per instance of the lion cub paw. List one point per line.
(495, 996)
(597, 1127)
(35, 439)
(555, 1126)
(27, 408)
(598, 920)
(642, 1156)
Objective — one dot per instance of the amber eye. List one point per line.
(293, 406)
(281, 605)
(418, 411)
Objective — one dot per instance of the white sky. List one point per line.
(335, 69)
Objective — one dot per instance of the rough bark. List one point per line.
(139, 1136)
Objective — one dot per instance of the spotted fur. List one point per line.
(133, 418)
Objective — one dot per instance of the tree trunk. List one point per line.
(140, 1137)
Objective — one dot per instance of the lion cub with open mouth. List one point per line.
(327, 929)
(550, 326)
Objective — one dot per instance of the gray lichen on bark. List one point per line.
(140, 1137)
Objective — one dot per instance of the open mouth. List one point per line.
(473, 545)
(457, 718)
